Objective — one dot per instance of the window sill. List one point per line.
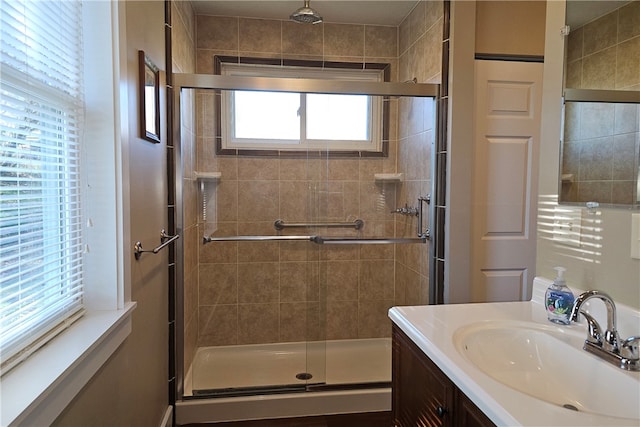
(37, 391)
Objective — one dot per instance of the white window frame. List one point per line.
(373, 144)
(38, 390)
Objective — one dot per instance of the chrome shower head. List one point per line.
(306, 15)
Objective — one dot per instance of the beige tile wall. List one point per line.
(183, 54)
(256, 292)
(601, 144)
(601, 150)
(605, 53)
(420, 51)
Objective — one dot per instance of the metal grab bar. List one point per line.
(165, 240)
(357, 224)
(317, 240)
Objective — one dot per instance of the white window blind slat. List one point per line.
(35, 295)
(45, 120)
(32, 245)
(14, 82)
(41, 111)
(34, 26)
(41, 64)
(36, 273)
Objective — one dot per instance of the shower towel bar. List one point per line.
(317, 240)
(165, 240)
(357, 224)
(208, 239)
(372, 241)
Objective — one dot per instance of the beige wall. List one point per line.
(477, 27)
(131, 388)
(271, 292)
(510, 27)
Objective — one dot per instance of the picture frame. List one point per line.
(149, 86)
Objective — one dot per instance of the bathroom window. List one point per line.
(71, 125)
(41, 110)
(287, 122)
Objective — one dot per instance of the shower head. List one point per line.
(306, 15)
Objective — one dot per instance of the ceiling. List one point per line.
(372, 12)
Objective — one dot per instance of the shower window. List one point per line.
(295, 122)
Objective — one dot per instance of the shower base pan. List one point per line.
(282, 380)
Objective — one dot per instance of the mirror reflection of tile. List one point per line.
(601, 144)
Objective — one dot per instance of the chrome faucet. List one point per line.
(607, 346)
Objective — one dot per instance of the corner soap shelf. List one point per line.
(208, 176)
(567, 178)
(388, 177)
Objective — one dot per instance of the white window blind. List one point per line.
(41, 109)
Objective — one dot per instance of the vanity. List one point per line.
(440, 403)
(506, 364)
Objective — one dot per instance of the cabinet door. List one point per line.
(422, 395)
(467, 413)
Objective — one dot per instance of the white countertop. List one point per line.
(432, 327)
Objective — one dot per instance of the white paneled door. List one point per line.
(507, 139)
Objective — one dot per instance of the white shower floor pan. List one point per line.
(334, 363)
(276, 365)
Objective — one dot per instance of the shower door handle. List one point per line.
(423, 233)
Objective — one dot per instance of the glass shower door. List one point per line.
(278, 309)
(252, 321)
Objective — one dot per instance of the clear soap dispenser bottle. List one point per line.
(559, 299)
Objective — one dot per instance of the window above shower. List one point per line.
(268, 123)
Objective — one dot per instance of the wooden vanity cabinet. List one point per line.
(423, 395)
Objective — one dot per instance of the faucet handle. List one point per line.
(630, 348)
(594, 332)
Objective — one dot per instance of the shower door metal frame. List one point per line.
(218, 82)
(270, 84)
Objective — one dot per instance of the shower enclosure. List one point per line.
(292, 258)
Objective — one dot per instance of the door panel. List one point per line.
(504, 285)
(507, 129)
(506, 200)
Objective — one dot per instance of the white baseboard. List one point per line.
(167, 420)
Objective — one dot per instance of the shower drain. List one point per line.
(569, 406)
(304, 376)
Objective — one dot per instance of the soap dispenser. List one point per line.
(559, 299)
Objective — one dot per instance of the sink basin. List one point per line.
(550, 365)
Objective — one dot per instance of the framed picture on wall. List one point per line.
(149, 98)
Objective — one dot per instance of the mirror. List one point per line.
(149, 81)
(600, 156)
